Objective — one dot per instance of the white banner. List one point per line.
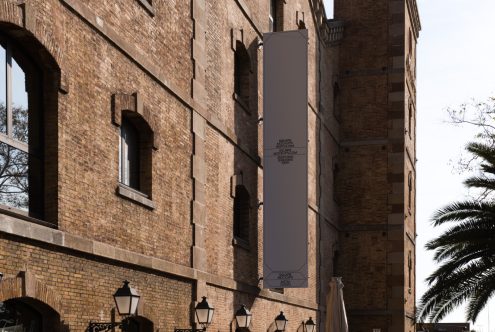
(285, 159)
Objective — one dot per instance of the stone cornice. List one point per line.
(60, 240)
(412, 7)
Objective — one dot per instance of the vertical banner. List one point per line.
(285, 159)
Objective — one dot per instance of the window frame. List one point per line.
(128, 177)
(241, 215)
(34, 147)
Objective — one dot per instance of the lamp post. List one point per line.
(309, 326)
(204, 315)
(281, 321)
(126, 300)
(243, 317)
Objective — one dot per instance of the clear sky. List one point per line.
(456, 62)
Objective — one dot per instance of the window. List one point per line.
(409, 194)
(21, 157)
(129, 155)
(409, 125)
(409, 268)
(276, 16)
(135, 148)
(242, 70)
(241, 213)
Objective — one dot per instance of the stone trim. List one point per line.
(198, 204)
(198, 51)
(12, 13)
(23, 16)
(237, 35)
(148, 6)
(412, 7)
(247, 13)
(25, 284)
(135, 196)
(62, 240)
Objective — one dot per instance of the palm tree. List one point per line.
(466, 251)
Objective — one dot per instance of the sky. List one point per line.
(455, 64)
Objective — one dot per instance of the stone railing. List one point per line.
(333, 32)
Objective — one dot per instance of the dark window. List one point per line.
(410, 124)
(17, 316)
(276, 16)
(241, 213)
(409, 268)
(242, 69)
(135, 153)
(21, 159)
(139, 324)
(410, 187)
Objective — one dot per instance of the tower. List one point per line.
(375, 185)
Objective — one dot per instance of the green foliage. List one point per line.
(465, 252)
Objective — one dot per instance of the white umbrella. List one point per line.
(336, 317)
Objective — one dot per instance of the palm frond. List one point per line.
(483, 151)
(480, 182)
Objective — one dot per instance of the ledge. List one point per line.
(58, 239)
(135, 196)
(148, 6)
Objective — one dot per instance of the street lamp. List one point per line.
(281, 321)
(309, 326)
(126, 301)
(243, 317)
(204, 315)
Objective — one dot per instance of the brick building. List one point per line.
(130, 149)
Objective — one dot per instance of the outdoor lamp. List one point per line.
(243, 317)
(204, 313)
(280, 321)
(126, 300)
(310, 325)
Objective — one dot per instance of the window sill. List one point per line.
(241, 103)
(241, 243)
(20, 214)
(135, 196)
(149, 7)
(277, 290)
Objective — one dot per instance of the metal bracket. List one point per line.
(190, 330)
(99, 327)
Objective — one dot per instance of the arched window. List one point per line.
(242, 69)
(135, 148)
(21, 140)
(28, 314)
(241, 213)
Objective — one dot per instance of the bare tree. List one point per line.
(14, 163)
